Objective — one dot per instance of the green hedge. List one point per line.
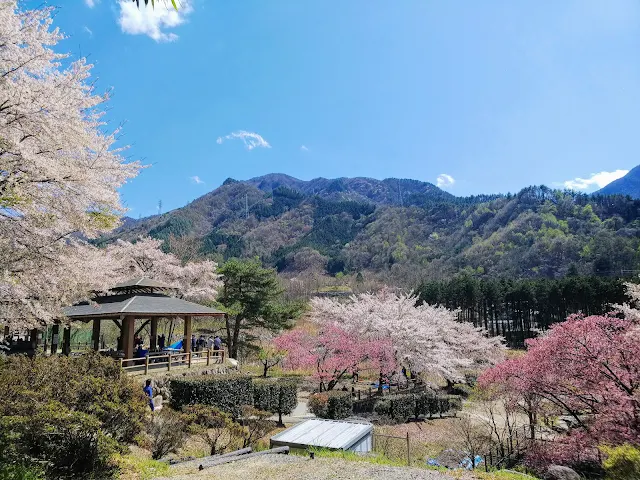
(333, 405)
(401, 407)
(279, 396)
(228, 393)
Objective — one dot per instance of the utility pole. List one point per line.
(159, 207)
(246, 205)
(400, 193)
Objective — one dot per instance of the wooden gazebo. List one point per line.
(138, 299)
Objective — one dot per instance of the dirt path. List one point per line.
(292, 467)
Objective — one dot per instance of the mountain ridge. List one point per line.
(367, 228)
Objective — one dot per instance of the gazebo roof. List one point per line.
(142, 283)
(139, 297)
(151, 305)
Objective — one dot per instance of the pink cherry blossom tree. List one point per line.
(587, 368)
(59, 172)
(425, 338)
(333, 352)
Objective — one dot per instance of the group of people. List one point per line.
(202, 343)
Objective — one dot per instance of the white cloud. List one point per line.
(88, 30)
(304, 148)
(445, 181)
(196, 179)
(595, 180)
(91, 3)
(152, 21)
(251, 140)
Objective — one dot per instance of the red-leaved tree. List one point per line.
(587, 368)
(333, 352)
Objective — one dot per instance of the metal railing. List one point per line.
(171, 360)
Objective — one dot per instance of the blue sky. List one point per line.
(497, 95)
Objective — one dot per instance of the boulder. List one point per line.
(558, 472)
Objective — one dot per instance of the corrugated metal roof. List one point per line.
(149, 304)
(334, 434)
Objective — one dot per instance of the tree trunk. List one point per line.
(265, 369)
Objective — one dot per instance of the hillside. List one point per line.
(376, 231)
(627, 185)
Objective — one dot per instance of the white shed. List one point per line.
(333, 434)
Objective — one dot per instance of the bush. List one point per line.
(167, 430)
(257, 425)
(402, 407)
(622, 462)
(333, 405)
(279, 397)
(65, 444)
(215, 427)
(228, 393)
(71, 415)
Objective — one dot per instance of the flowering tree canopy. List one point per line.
(587, 368)
(425, 338)
(333, 352)
(59, 172)
(197, 281)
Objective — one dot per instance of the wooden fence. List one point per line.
(157, 361)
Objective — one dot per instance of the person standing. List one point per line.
(193, 343)
(210, 343)
(148, 391)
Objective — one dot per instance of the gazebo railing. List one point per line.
(171, 360)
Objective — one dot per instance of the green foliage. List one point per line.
(69, 415)
(228, 393)
(279, 396)
(233, 244)
(334, 405)
(401, 407)
(215, 427)
(622, 462)
(177, 226)
(167, 431)
(20, 472)
(513, 308)
(252, 297)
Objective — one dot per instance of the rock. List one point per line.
(558, 472)
(233, 362)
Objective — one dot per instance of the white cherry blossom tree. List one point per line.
(426, 339)
(59, 170)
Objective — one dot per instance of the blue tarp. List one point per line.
(175, 346)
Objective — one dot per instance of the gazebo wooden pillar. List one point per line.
(7, 332)
(33, 338)
(55, 338)
(128, 332)
(95, 334)
(153, 337)
(186, 344)
(66, 341)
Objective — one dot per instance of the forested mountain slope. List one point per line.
(627, 185)
(402, 235)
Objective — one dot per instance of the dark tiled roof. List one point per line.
(139, 305)
(141, 283)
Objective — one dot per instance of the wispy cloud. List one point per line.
(595, 180)
(88, 30)
(197, 180)
(445, 181)
(152, 21)
(304, 148)
(251, 140)
(91, 3)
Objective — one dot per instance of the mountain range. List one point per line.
(627, 185)
(400, 231)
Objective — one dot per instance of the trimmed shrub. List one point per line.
(383, 407)
(279, 397)
(426, 403)
(333, 405)
(228, 393)
(402, 407)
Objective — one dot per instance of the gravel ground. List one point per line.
(285, 467)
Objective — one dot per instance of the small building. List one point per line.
(332, 434)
